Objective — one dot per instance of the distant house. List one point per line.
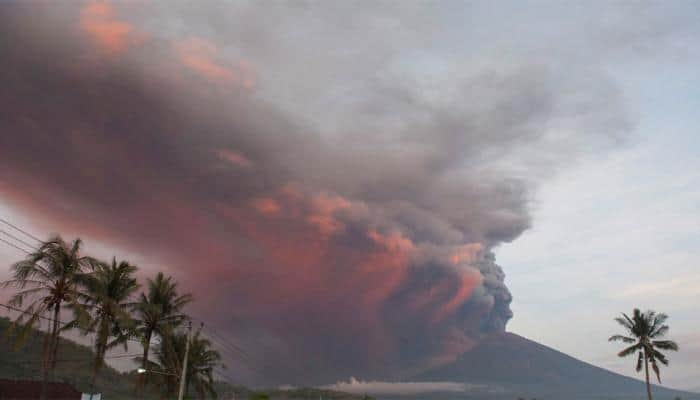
(31, 390)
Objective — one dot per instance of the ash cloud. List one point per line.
(331, 189)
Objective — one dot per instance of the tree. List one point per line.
(202, 360)
(158, 311)
(107, 300)
(51, 277)
(643, 332)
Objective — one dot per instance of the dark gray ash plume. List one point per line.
(330, 179)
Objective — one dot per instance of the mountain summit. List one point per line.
(511, 365)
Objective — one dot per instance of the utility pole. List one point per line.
(184, 362)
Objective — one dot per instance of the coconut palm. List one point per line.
(49, 278)
(108, 301)
(643, 332)
(158, 312)
(201, 361)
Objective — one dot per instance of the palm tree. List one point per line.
(202, 360)
(108, 301)
(49, 278)
(159, 311)
(643, 330)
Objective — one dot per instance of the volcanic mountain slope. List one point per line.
(513, 366)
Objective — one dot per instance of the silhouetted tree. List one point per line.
(108, 300)
(158, 311)
(642, 331)
(51, 277)
(201, 361)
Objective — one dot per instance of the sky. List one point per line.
(623, 232)
(368, 189)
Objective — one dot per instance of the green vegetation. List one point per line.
(200, 364)
(107, 299)
(642, 330)
(50, 278)
(102, 298)
(158, 311)
(73, 364)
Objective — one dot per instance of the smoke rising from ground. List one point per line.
(401, 388)
(330, 188)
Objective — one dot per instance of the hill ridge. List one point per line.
(520, 365)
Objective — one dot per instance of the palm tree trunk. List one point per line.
(99, 357)
(143, 379)
(55, 334)
(45, 363)
(50, 352)
(95, 365)
(96, 368)
(646, 372)
(100, 350)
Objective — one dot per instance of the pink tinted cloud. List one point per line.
(109, 34)
(324, 206)
(466, 253)
(469, 279)
(266, 206)
(234, 158)
(203, 58)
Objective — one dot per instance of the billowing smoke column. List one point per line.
(335, 222)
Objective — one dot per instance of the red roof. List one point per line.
(26, 390)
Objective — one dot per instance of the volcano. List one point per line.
(507, 365)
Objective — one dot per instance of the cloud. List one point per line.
(199, 56)
(109, 34)
(341, 220)
(202, 57)
(680, 287)
(234, 158)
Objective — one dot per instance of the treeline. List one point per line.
(106, 300)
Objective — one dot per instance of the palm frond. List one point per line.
(660, 356)
(643, 327)
(625, 339)
(655, 368)
(657, 323)
(624, 321)
(665, 345)
(659, 331)
(629, 350)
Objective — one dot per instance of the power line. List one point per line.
(246, 362)
(41, 316)
(24, 312)
(233, 349)
(63, 323)
(228, 349)
(4, 232)
(15, 246)
(6, 222)
(81, 359)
